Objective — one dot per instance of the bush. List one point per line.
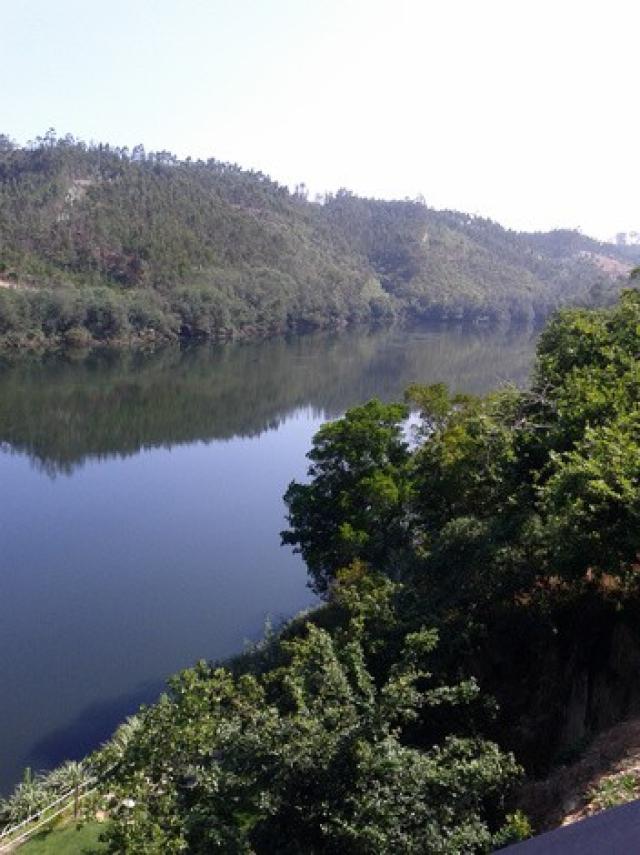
(105, 315)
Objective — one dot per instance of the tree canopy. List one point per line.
(309, 756)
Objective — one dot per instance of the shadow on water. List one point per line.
(64, 412)
(91, 727)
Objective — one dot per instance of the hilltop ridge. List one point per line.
(99, 244)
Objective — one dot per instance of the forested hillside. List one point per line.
(101, 244)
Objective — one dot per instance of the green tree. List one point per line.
(310, 756)
(355, 505)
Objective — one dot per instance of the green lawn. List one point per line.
(65, 841)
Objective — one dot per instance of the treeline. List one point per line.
(100, 244)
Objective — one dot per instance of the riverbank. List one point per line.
(36, 320)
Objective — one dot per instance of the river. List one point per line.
(141, 504)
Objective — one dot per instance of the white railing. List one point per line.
(8, 846)
(77, 793)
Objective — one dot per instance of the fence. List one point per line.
(43, 817)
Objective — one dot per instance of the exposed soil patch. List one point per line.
(606, 774)
(611, 266)
(16, 286)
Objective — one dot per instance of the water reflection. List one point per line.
(60, 413)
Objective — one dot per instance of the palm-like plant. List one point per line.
(70, 776)
(113, 750)
(30, 796)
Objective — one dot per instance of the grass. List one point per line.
(67, 840)
(613, 791)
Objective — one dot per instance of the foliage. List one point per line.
(500, 491)
(67, 777)
(613, 791)
(355, 505)
(310, 755)
(520, 520)
(98, 243)
(516, 828)
(36, 791)
(30, 796)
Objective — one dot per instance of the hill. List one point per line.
(101, 244)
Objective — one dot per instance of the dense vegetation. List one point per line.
(99, 244)
(527, 485)
(511, 522)
(506, 528)
(308, 755)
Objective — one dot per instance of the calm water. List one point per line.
(140, 503)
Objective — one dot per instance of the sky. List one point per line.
(525, 112)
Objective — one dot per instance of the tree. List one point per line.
(310, 756)
(355, 505)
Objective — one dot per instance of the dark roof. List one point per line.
(612, 832)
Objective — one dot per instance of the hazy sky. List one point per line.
(527, 112)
